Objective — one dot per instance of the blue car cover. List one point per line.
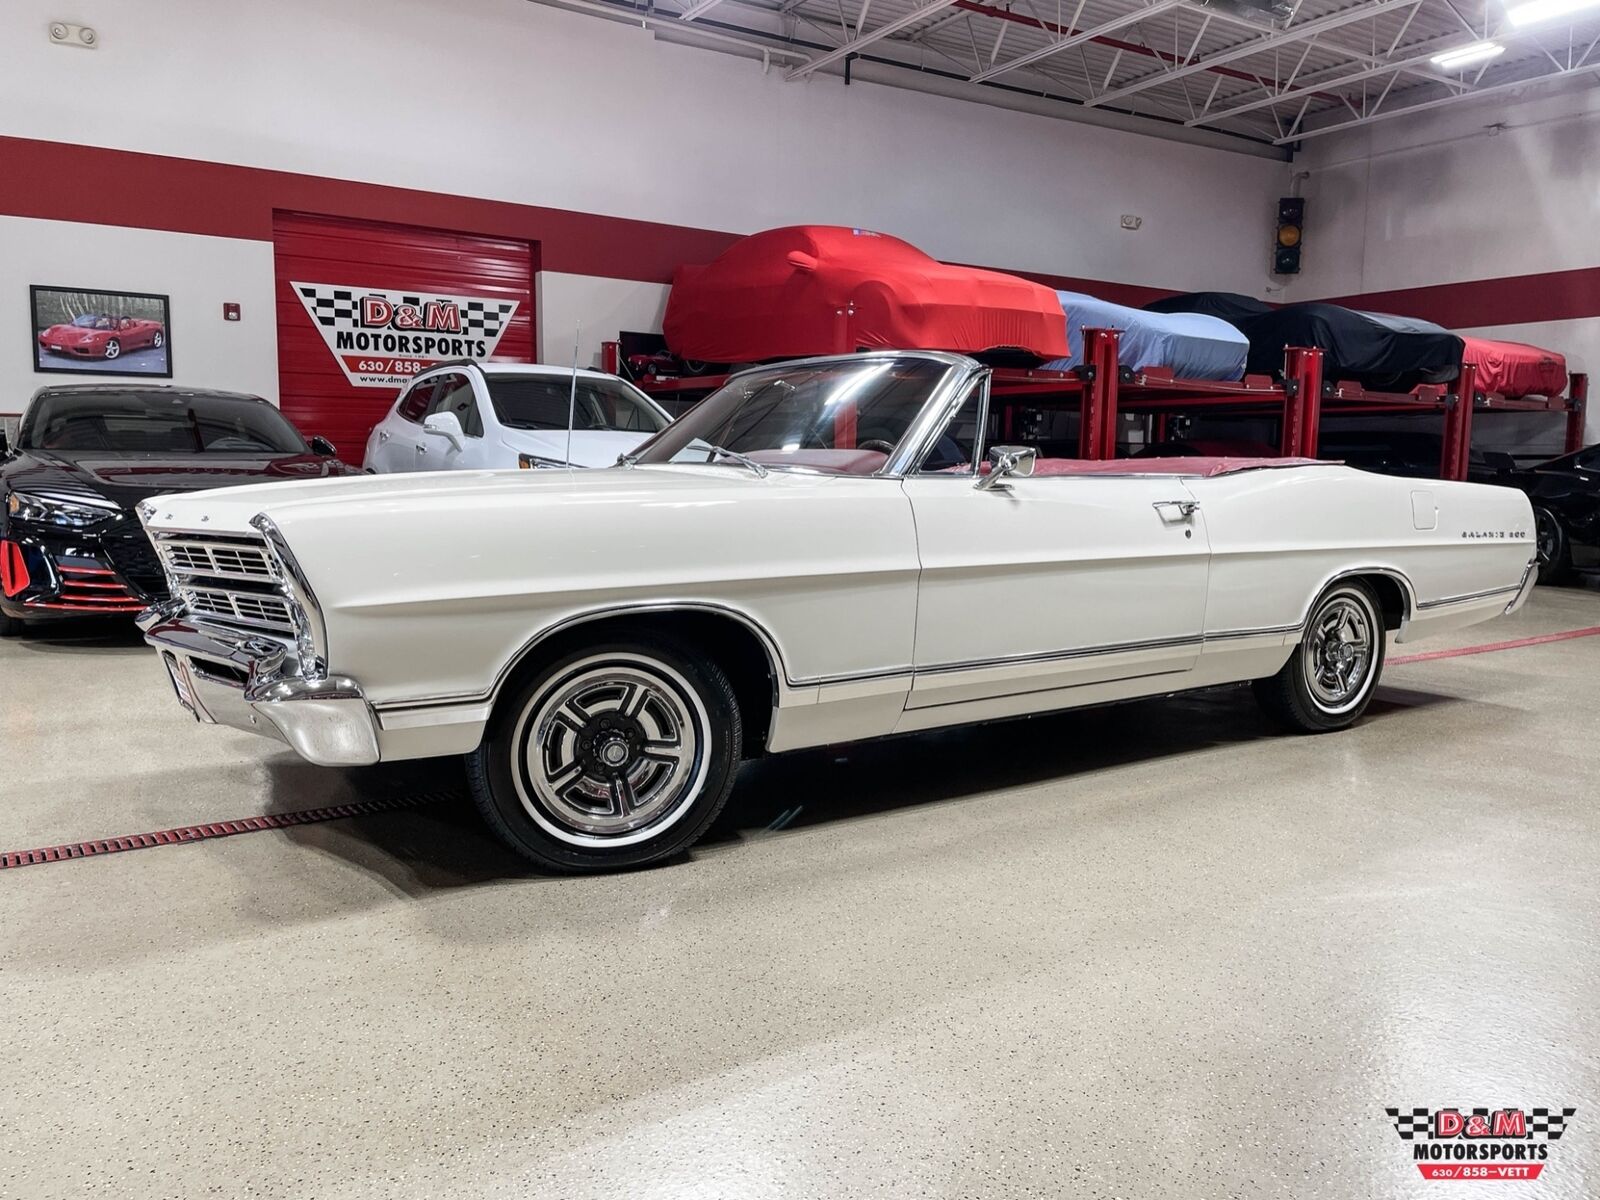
(1192, 345)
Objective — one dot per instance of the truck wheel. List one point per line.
(613, 756)
(1329, 679)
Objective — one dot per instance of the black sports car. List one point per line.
(70, 542)
(1565, 493)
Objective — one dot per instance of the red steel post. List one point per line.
(1577, 404)
(1097, 431)
(610, 357)
(1458, 424)
(1302, 401)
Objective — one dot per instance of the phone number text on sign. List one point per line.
(389, 366)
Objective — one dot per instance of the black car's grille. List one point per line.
(135, 560)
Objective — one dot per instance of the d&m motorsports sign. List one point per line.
(382, 338)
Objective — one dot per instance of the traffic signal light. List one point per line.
(1291, 227)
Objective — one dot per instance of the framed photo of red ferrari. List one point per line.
(81, 331)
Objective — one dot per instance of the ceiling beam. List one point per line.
(1076, 39)
(698, 9)
(1256, 46)
(1458, 98)
(862, 40)
(1312, 89)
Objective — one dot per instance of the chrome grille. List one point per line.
(255, 609)
(217, 559)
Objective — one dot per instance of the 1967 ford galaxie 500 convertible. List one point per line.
(818, 552)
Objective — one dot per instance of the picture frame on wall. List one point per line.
(86, 331)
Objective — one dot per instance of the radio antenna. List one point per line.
(572, 395)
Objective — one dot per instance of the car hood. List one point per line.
(130, 478)
(590, 447)
(67, 333)
(367, 497)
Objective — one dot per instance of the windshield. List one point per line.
(132, 423)
(91, 321)
(541, 402)
(845, 414)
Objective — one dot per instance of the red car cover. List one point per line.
(1514, 368)
(824, 289)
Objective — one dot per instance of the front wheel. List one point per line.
(11, 626)
(113, 349)
(613, 756)
(1329, 679)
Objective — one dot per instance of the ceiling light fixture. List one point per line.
(1462, 55)
(1535, 11)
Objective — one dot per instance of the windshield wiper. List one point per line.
(742, 460)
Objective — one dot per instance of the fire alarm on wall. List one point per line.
(230, 310)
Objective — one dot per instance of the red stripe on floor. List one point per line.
(1566, 635)
(213, 829)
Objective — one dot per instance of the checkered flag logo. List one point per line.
(1410, 1123)
(329, 307)
(1552, 1123)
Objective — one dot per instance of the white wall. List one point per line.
(1468, 192)
(518, 101)
(198, 273)
(1472, 191)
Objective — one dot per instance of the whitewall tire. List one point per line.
(1329, 679)
(611, 756)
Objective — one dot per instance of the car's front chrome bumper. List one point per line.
(249, 682)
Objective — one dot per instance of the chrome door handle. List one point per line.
(1186, 508)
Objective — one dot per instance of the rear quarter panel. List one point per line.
(1278, 536)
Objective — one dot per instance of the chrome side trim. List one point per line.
(1486, 594)
(810, 681)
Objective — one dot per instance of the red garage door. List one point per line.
(363, 306)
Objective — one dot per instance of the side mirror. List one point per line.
(446, 425)
(1005, 462)
(321, 445)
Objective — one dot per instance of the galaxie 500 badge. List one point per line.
(383, 338)
(1480, 1143)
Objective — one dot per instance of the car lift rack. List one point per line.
(1102, 389)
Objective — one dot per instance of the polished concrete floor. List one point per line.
(1149, 951)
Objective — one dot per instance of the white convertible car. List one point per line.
(820, 551)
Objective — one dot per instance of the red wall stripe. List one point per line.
(1512, 300)
(58, 181)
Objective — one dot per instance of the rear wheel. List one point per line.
(1555, 552)
(1329, 679)
(612, 756)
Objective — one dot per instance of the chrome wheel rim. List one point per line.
(1338, 657)
(611, 751)
(113, 348)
